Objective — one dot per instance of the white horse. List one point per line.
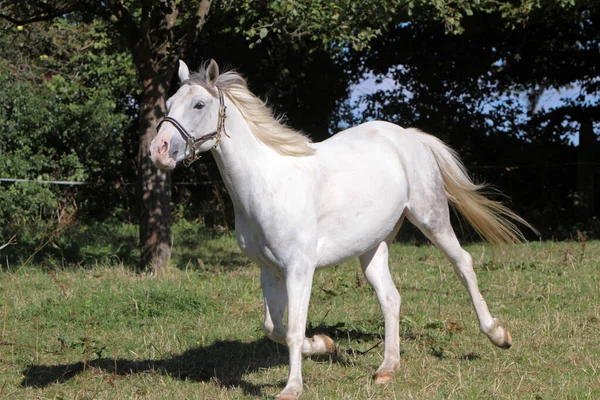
(300, 206)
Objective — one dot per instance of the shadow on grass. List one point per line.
(224, 362)
(340, 331)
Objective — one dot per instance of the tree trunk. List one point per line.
(154, 185)
(585, 170)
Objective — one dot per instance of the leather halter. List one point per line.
(192, 142)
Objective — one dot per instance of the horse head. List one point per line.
(193, 112)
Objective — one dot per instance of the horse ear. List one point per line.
(212, 72)
(184, 72)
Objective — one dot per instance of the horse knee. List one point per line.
(268, 328)
(393, 299)
(294, 340)
(273, 333)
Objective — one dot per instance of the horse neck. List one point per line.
(241, 156)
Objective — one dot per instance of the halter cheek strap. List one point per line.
(192, 143)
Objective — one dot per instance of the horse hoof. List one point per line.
(286, 397)
(318, 345)
(290, 393)
(507, 341)
(499, 336)
(383, 377)
(329, 343)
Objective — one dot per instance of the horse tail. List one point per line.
(492, 220)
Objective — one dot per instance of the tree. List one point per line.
(478, 91)
(148, 31)
(158, 33)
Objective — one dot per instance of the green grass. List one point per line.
(100, 331)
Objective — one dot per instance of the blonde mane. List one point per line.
(260, 118)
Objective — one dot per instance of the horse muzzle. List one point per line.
(162, 154)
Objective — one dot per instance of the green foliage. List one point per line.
(66, 112)
(24, 156)
(334, 24)
(339, 25)
(514, 13)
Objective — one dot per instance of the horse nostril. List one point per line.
(164, 147)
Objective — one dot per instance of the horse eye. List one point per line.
(199, 105)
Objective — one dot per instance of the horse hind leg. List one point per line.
(434, 221)
(375, 267)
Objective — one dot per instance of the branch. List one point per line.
(203, 9)
(171, 13)
(115, 12)
(195, 29)
(10, 241)
(39, 18)
(171, 18)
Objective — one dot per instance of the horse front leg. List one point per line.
(298, 283)
(275, 295)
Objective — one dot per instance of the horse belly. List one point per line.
(360, 205)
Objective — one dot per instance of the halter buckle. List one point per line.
(191, 145)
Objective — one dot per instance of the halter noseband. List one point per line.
(190, 141)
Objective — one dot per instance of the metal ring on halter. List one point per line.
(190, 141)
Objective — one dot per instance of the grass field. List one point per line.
(104, 332)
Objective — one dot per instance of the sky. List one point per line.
(551, 98)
